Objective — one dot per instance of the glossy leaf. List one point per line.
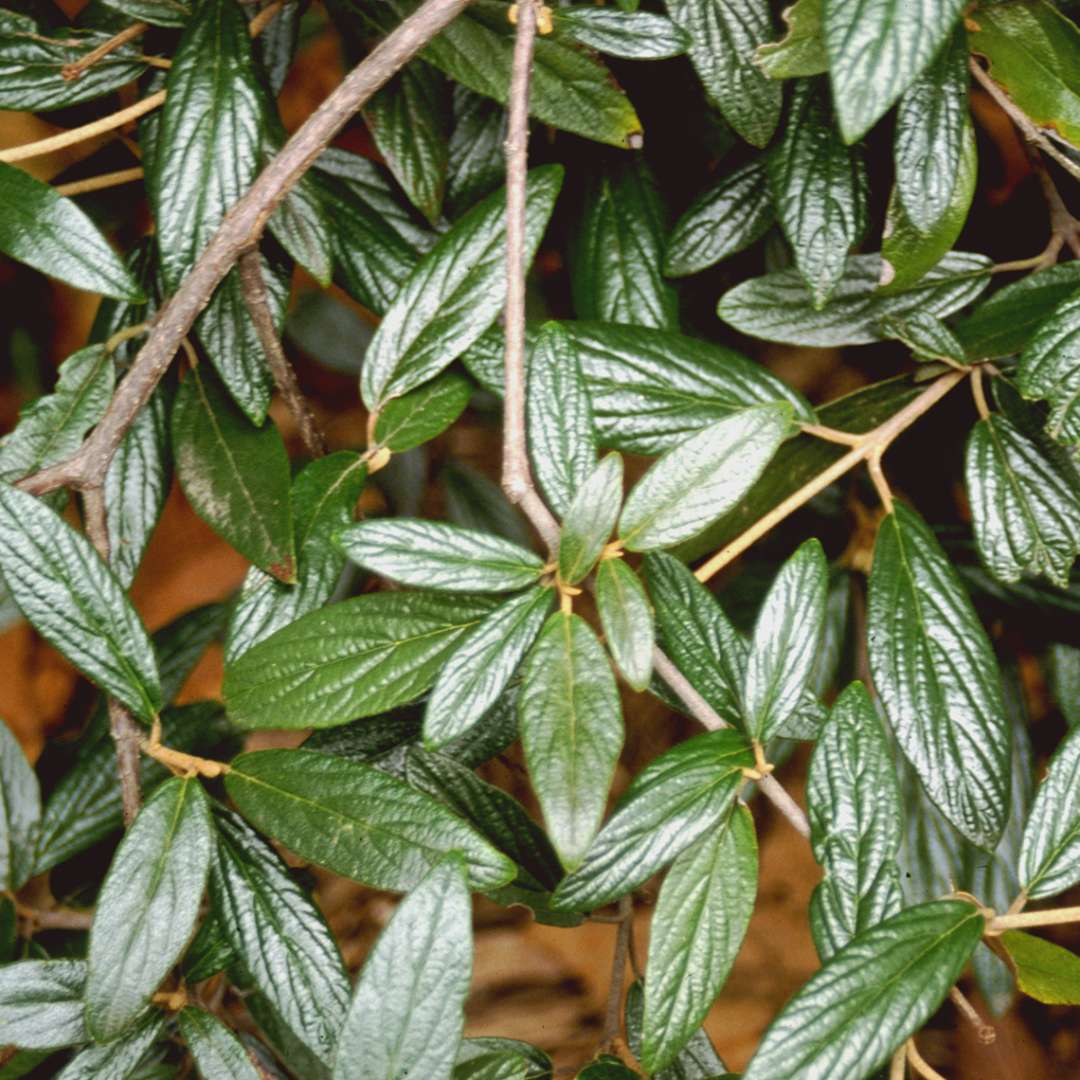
(479, 669)
(870, 996)
(73, 600)
(475, 501)
(218, 1054)
(119, 1058)
(355, 820)
(700, 479)
(148, 905)
(589, 519)
(156, 12)
(571, 730)
(701, 917)
(1064, 677)
(235, 475)
(421, 415)
(697, 1060)
(435, 555)
(301, 226)
(778, 306)
(938, 679)
(634, 35)
(539, 1064)
(41, 1004)
(856, 817)
(607, 1067)
(477, 159)
(683, 794)
(20, 812)
(926, 336)
(353, 659)
(1044, 971)
(801, 51)
(725, 219)
(627, 618)
(1050, 368)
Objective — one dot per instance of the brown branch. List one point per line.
(241, 228)
(618, 973)
(99, 183)
(253, 286)
(75, 71)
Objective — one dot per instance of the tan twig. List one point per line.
(99, 183)
(978, 392)
(1019, 921)
(176, 761)
(56, 919)
(75, 71)
(986, 1032)
(613, 1012)
(920, 1064)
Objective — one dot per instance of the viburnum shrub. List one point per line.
(812, 178)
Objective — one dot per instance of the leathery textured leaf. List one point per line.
(1025, 509)
(698, 1059)
(479, 669)
(452, 296)
(218, 1054)
(148, 905)
(702, 478)
(571, 730)
(728, 217)
(589, 519)
(350, 660)
(323, 498)
(786, 642)
(856, 816)
(870, 996)
(421, 415)
(701, 917)
(683, 794)
(121, 1057)
(436, 555)
(477, 159)
(73, 600)
(819, 190)
(470, 1050)
(925, 335)
(562, 443)
(356, 820)
(778, 307)
(876, 49)
(53, 235)
(281, 940)
(938, 679)
(617, 245)
(801, 51)
(301, 226)
(155, 12)
(20, 812)
(1050, 852)
(627, 618)
(41, 1004)
(635, 35)
(1050, 368)
(1044, 971)
(723, 36)
(235, 475)
(408, 1011)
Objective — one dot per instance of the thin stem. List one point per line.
(75, 71)
(613, 1012)
(986, 1032)
(1052, 917)
(772, 789)
(253, 286)
(100, 183)
(978, 392)
(920, 1064)
(898, 1065)
(56, 919)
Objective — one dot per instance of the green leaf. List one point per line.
(421, 415)
(819, 190)
(801, 51)
(856, 817)
(683, 794)
(787, 639)
(235, 475)
(539, 1064)
(218, 1054)
(323, 499)
(561, 441)
(452, 296)
(408, 1011)
(589, 519)
(156, 12)
(571, 731)
(301, 226)
(723, 36)
(607, 1067)
(479, 669)
(1034, 54)
(51, 234)
(698, 480)
(632, 35)
(627, 618)
(938, 679)
(876, 49)
(477, 158)
(1050, 368)
(1025, 508)
(41, 1004)
(870, 996)
(409, 119)
(1050, 853)
(356, 820)
(20, 812)
(497, 1065)
(725, 219)
(1063, 662)
(778, 307)
(72, 599)
(701, 917)
(1044, 971)
(349, 660)
(617, 246)
(474, 501)
(209, 953)
(926, 336)
(436, 555)
(283, 944)
(147, 907)
(118, 1059)
(697, 1060)
(835, 635)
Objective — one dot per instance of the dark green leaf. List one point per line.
(835, 635)
(1064, 672)
(932, 856)
(627, 618)
(589, 519)
(477, 158)
(698, 1060)
(801, 51)
(539, 1064)
(157, 12)
(41, 1004)
(633, 35)
(301, 226)
(474, 501)
(119, 1059)
(74, 601)
(421, 415)
(925, 335)
(702, 478)
(1050, 368)
(870, 996)
(356, 820)
(20, 812)
(210, 951)
(937, 676)
(1044, 971)
(683, 794)
(571, 730)
(218, 1054)
(497, 1065)
(607, 1067)
(701, 917)
(732, 215)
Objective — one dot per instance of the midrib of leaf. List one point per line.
(309, 528)
(572, 712)
(163, 856)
